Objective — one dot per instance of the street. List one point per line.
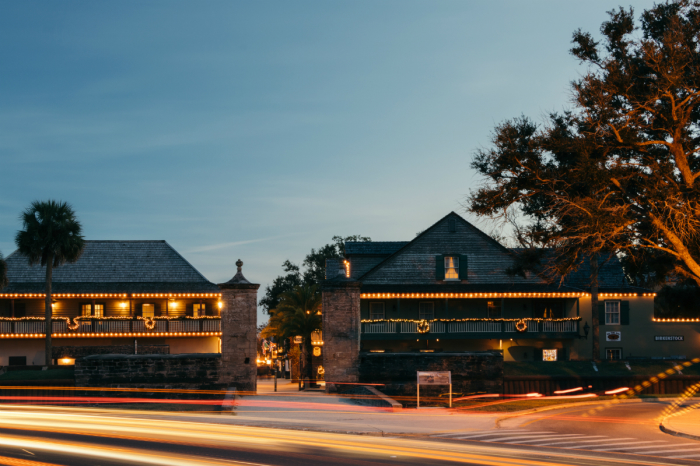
(584, 435)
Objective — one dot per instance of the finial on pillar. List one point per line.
(238, 279)
(239, 264)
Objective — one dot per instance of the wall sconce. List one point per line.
(173, 304)
(123, 305)
(220, 304)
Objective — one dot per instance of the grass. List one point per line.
(585, 368)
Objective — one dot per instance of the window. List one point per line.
(612, 312)
(494, 308)
(549, 354)
(99, 310)
(148, 310)
(426, 311)
(376, 311)
(199, 310)
(18, 361)
(613, 354)
(451, 268)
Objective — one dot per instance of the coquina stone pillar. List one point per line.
(239, 318)
(341, 332)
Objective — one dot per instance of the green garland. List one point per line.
(473, 319)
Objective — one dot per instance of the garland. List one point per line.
(475, 319)
(149, 321)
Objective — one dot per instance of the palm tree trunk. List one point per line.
(48, 311)
(594, 308)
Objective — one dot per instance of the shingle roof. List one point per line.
(380, 248)
(112, 267)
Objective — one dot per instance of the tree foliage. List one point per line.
(51, 236)
(619, 171)
(313, 273)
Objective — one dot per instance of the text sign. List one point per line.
(613, 336)
(298, 339)
(668, 338)
(435, 378)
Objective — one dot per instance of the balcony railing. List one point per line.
(112, 327)
(466, 327)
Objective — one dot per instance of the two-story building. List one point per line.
(450, 290)
(119, 293)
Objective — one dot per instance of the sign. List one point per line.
(668, 338)
(435, 378)
(549, 354)
(317, 351)
(298, 339)
(613, 336)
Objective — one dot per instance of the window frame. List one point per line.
(608, 321)
(432, 310)
(489, 307)
(608, 350)
(153, 306)
(89, 310)
(383, 313)
(199, 309)
(455, 259)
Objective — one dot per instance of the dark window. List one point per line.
(20, 310)
(613, 354)
(548, 309)
(18, 360)
(494, 308)
(451, 225)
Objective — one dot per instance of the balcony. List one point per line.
(471, 329)
(106, 327)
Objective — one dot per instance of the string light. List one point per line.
(471, 295)
(112, 295)
(654, 319)
(473, 319)
(111, 334)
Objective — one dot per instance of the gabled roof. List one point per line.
(373, 248)
(112, 267)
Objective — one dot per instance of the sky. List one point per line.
(260, 130)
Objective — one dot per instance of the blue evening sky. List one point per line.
(259, 130)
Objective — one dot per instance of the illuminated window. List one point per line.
(199, 310)
(494, 308)
(87, 310)
(148, 310)
(376, 311)
(613, 354)
(451, 268)
(612, 312)
(549, 354)
(426, 311)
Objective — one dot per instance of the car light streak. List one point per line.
(571, 390)
(617, 390)
(120, 424)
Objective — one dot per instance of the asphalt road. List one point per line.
(625, 431)
(34, 436)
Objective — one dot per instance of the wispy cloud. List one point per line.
(214, 247)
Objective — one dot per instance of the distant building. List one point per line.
(448, 290)
(119, 296)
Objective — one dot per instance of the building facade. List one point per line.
(449, 290)
(119, 294)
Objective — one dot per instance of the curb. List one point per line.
(666, 430)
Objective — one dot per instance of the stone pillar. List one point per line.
(239, 319)
(341, 332)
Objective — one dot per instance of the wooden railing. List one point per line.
(474, 326)
(111, 326)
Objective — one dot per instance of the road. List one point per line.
(36, 435)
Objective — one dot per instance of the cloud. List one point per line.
(214, 247)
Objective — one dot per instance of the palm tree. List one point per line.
(298, 313)
(51, 236)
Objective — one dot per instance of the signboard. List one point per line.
(435, 378)
(317, 351)
(549, 354)
(298, 339)
(668, 338)
(613, 336)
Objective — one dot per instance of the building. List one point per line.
(119, 296)
(449, 290)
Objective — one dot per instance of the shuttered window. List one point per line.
(452, 268)
(426, 311)
(199, 310)
(612, 312)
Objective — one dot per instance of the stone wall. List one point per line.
(471, 372)
(341, 331)
(192, 371)
(76, 352)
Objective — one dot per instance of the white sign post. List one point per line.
(434, 378)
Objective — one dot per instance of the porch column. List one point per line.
(239, 318)
(341, 331)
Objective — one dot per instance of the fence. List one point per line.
(112, 326)
(547, 385)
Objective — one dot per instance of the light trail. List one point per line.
(137, 426)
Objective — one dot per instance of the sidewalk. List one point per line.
(315, 410)
(684, 425)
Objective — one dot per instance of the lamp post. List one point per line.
(299, 339)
